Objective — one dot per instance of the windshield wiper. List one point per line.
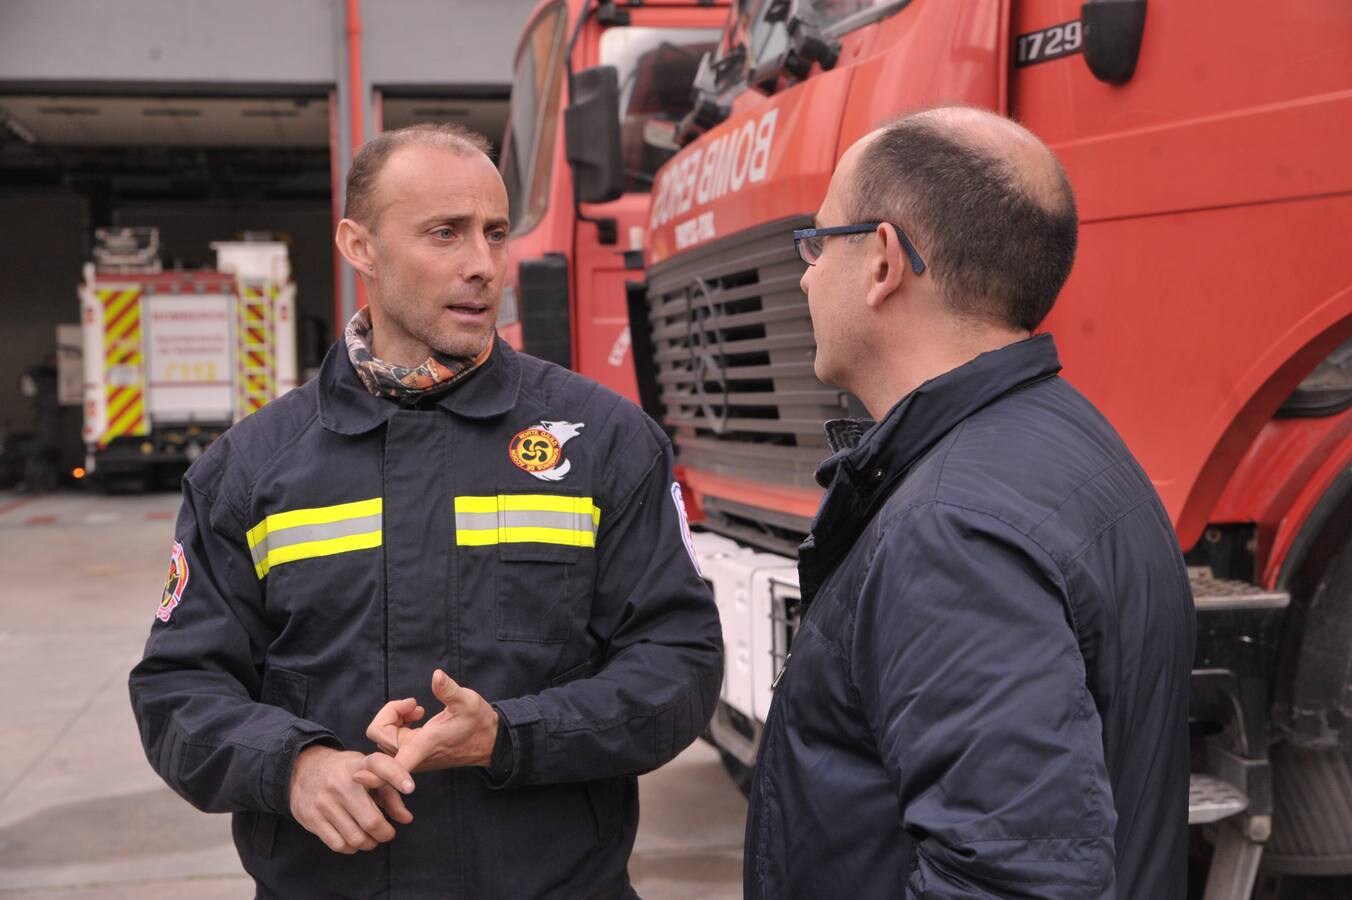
(807, 45)
(710, 80)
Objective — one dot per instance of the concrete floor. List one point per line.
(82, 815)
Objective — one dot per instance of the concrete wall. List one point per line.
(263, 42)
(439, 42)
(168, 40)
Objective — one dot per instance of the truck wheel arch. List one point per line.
(1264, 388)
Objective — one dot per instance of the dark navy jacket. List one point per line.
(522, 532)
(988, 693)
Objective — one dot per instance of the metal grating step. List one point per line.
(1211, 593)
(1210, 799)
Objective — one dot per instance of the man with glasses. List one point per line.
(987, 695)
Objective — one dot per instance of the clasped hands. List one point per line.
(338, 795)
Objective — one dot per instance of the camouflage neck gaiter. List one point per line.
(437, 374)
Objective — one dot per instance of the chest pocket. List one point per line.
(545, 547)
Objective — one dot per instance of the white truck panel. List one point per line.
(189, 347)
(70, 374)
(254, 260)
(284, 338)
(710, 549)
(91, 329)
(737, 574)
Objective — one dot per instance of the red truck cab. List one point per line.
(577, 217)
(1208, 315)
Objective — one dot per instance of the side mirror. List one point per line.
(591, 133)
(1112, 38)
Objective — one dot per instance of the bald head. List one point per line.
(986, 202)
(1026, 161)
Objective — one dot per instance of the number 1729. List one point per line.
(1049, 43)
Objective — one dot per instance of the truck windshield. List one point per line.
(528, 147)
(826, 12)
(656, 67)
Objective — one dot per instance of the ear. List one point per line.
(355, 243)
(886, 266)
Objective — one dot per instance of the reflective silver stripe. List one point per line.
(304, 534)
(511, 518)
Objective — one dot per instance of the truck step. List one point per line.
(1210, 799)
(1211, 593)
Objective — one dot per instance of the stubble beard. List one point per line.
(462, 347)
(456, 345)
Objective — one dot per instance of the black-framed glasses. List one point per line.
(811, 241)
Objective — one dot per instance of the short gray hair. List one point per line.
(359, 204)
(996, 249)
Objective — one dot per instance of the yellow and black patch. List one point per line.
(535, 450)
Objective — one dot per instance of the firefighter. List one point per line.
(435, 523)
(988, 693)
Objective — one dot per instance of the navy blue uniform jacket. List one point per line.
(521, 532)
(988, 693)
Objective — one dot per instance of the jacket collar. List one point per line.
(872, 458)
(922, 417)
(347, 407)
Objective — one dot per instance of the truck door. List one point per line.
(656, 61)
(1212, 185)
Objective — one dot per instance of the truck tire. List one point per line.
(1312, 766)
(1312, 812)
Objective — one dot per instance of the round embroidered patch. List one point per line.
(535, 450)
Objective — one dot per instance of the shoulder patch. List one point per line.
(679, 499)
(538, 450)
(174, 584)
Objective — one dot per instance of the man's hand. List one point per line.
(329, 803)
(392, 723)
(462, 734)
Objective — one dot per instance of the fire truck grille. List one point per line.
(733, 350)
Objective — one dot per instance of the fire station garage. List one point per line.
(208, 122)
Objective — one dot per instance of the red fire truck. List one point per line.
(172, 359)
(577, 227)
(1208, 315)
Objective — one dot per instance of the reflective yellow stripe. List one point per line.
(304, 533)
(483, 537)
(505, 505)
(527, 503)
(312, 549)
(269, 549)
(321, 515)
